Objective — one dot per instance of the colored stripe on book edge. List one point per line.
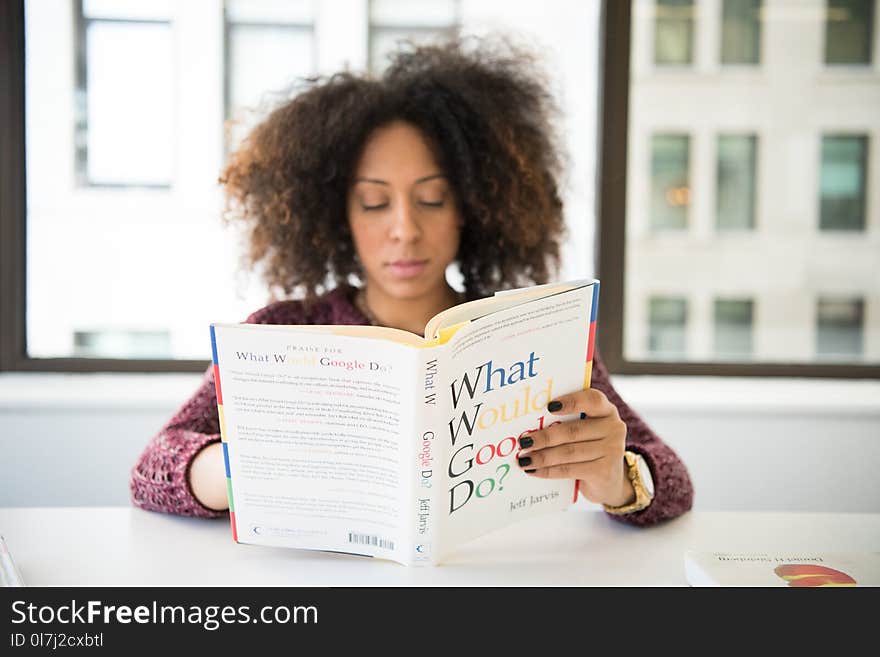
(217, 384)
(226, 458)
(222, 423)
(229, 494)
(594, 311)
(232, 520)
(591, 341)
(214, 346)
(588, 373)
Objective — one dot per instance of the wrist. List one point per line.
(626, 494)
(640, 480)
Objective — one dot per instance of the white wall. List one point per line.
(787, 445)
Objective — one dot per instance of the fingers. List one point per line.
(564, 471)
(593, 428)
(590, 401)
(578, 452)
(577, 449)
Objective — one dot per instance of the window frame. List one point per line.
(610, 245)
(373, 28)
(81, 25)
(13, 227)
(229, 25)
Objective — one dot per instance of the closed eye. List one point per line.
(435, 204)
(368, 208)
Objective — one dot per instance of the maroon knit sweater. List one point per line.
(160, 482)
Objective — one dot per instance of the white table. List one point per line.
(124, 546)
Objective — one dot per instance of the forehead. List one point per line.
(397, 151)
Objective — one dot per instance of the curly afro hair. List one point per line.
(486, 108)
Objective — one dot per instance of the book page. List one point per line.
(504, 299)
(313, 426)
(503, 369)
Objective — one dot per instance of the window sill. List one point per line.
(750, 395)
(98, 391)
(648, 394)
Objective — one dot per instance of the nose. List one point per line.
(404, 222)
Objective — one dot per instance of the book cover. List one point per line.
(792, 569)
(379, 442)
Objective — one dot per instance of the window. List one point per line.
(419, 21)
(741, 32)
(668, 322)
(269, 46)
(124, 94)
(733, 328)
(674, 32)
(113, 253)
(730, 203)
(849, 31)
(842, 187)
(736, 182)
(839, 328)
(670, 189)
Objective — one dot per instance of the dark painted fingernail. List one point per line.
(525, 460)
(525, 441)
(554, 406)
(583, 416)
(528, 470)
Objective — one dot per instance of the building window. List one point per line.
(674, 32)
(418, 21)
(741, 32)
(849, 31)
(839, 328)
(667, 322)
(268, 47)
(124, 94)
(733, 328)
(842, 185)
(670, 187)
(736, 182)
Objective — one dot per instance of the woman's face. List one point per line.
(403, 215)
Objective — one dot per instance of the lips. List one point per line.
(407, 268)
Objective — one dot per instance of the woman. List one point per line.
(449, 157)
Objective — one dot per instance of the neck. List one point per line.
(409, 314)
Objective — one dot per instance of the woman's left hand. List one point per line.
(589, 449)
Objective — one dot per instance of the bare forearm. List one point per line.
(207, 478)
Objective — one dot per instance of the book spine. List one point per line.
(224, 436)
(427, 461)
(591, 344)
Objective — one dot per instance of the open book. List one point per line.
(379, 442)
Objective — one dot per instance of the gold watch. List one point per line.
(639, 475)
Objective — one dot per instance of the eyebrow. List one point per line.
(385, 182)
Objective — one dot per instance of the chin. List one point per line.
(405, 290)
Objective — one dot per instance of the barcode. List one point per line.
(366, 539)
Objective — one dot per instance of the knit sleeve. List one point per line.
(160, 478)
(673, 490)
